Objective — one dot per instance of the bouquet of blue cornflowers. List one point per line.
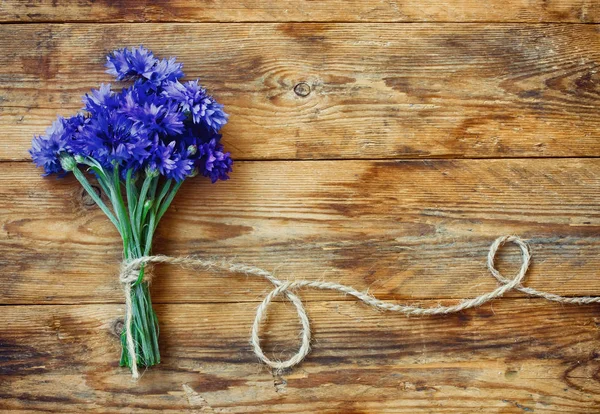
(140, 144)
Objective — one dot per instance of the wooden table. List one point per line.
(379, 144)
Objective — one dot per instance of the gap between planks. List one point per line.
(225, 22)
(428, 158)
(255, 300)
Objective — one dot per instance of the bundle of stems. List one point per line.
(137, 203)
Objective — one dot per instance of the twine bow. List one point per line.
(130, 272)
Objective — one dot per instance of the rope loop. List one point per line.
(261, 313)
(525, 260)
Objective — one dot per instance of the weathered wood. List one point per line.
(64, 359)
(301, 10)
(404, 229)
(376, 91)
(411, 231)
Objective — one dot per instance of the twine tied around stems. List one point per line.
(130, 271)
(128, 276)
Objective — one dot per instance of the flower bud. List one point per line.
(79, 158)
(151, 172)
(67, 162)
(148, 205)
(193, 173)
(192, 149)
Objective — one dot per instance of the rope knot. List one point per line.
(128, 275)
(130, 270)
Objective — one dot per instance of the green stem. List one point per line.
(86, 185)
(153, 187)
(100, 174)
(120, 210)
(167, 202)
(141, 201)
(144, 329)
(150, 234)
(130, 192)
(102, 181)
(163, 193)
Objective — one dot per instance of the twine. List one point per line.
(130, 271)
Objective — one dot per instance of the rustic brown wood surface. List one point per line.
(372, 90)
(403, 229)
(516, 355)
(377, 153)
(580, 11)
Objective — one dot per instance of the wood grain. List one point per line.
(301, 10)
(64, 359)
(513, 86)
(403, 229)
(376, 90)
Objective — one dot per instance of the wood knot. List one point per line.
(302, 89)
(116, 328)
(86, 199)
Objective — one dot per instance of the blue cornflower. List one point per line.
(197, 134)
(100, 99)
(193, 99)
(213, 162)
(117, 64)
(111, 136)
(212, 114)
(165, 71)
(46, 149)
(125, 63)
(163, 119)
(154, 113)
(136, 95)
(170, 162)
(140, 62)
(182, 168)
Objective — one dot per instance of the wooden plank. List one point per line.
(301, 11)
(512, 356)
(376, 91)
(404, 229)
